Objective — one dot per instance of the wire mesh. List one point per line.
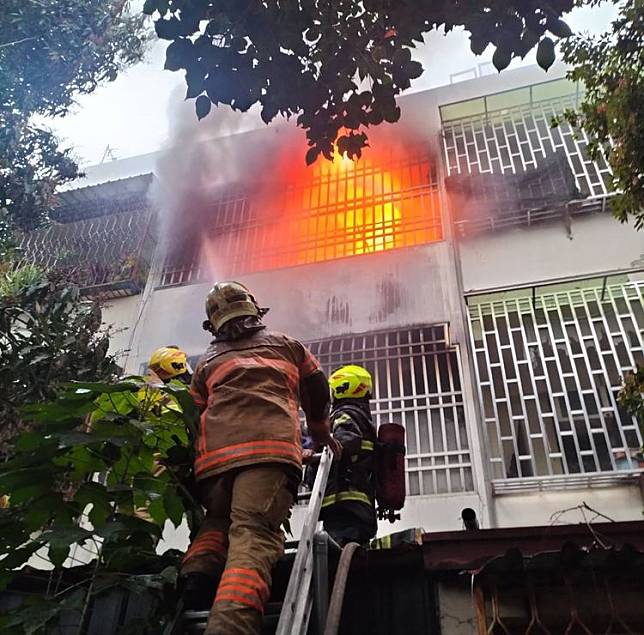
(109, 252)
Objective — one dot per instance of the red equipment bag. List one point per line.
(390, 470)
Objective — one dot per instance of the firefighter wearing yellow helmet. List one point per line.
(349, 507)
(248, 385)
(170, 362)
(350, 382)
(166, 364)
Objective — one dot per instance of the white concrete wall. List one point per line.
(119, 315)
(352, 295)
(620, 503)
(529, 254)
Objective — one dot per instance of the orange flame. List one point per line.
(334, 209)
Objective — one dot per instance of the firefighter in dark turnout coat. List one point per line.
(348, 507)
(248, 456)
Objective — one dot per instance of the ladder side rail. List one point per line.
(305, 548)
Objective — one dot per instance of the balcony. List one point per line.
(101, 239)
(508, 166)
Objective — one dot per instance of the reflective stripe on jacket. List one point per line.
(249, 393)
(352, 480)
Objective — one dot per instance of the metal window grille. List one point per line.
(344, 209)
(514, 139)
(107, 255)
(549, 367)
(590, 600)
(417, 382)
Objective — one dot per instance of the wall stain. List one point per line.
(391, 296)
(337, 311)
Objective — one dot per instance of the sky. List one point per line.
(130, 116)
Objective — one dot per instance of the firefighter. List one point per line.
(248, 456)
(348, 507)
(170, 362)
(166, 364)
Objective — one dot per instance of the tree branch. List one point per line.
(24, 39)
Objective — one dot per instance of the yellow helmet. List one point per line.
(228, 300)
(168, 362)
(350, 382)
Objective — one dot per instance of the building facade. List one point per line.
(475, 270)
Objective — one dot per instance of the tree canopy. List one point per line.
(337, 65)
(51, 51)
(611, 69)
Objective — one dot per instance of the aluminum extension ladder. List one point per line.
(307, 592)
(311, 557)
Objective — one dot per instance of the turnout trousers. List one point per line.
(240, 540)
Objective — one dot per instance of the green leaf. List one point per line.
(130, 383)
(179, 54)
(478, 43)
(173, 506)
(413, 69)
(312, 155)
(149, 7)
(58, 554)
(202, 106)
(30, 441)
(156, 509)
(559, 28)
(501, 58)
(546, 53)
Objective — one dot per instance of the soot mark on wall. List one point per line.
(337, 311)
(391, 296)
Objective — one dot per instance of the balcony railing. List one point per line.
(107, 256)
(510, 138)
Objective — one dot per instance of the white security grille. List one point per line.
(511, 138)
(549, 367)
(417, 382)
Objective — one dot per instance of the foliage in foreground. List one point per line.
(49, 335)
(60, 512)
(631, 396)
(611, 68)
(338, 66)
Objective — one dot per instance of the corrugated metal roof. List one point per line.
(570, 556)
(108, 189)
(471, 550)
(107, 198)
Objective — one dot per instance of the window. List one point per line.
(417, 383)
(549, 367)
(333, 210)
(512, 132)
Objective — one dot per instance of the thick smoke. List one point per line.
(199, 159)
(225, 153)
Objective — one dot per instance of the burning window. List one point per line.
(333, 210)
